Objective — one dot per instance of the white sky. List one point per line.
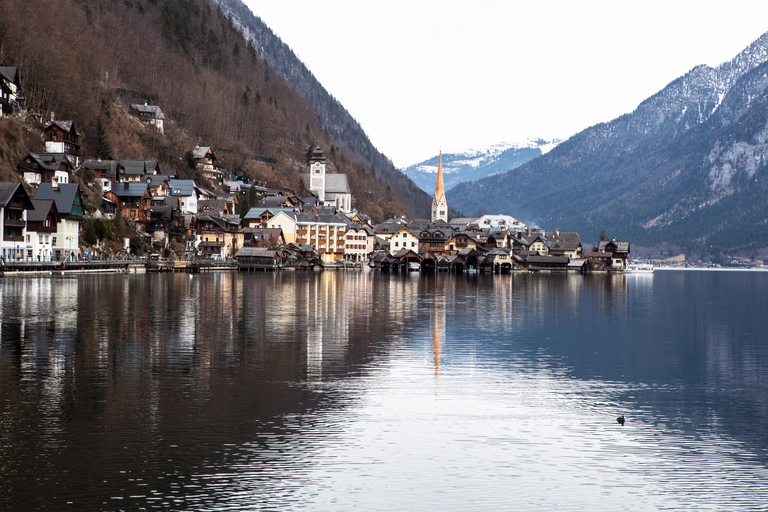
(422, 75)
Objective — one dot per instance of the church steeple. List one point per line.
(439, 203)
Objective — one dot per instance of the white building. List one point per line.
(330, 189)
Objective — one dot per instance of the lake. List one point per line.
(358, 391)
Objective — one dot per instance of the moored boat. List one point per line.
(639, 268)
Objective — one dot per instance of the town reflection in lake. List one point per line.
(361, 390)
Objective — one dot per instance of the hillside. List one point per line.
(685, 171)
(87, 60)
(476, 163)
(342, 129)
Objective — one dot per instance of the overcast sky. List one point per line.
(424, 75)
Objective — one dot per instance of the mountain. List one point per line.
(686, 170)
(342, 129)
(474, 164)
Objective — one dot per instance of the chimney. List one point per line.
(557, 232)
(529, 231)
(55, 183)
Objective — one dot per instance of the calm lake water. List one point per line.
(361, 391)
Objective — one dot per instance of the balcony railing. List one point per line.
(17, 223)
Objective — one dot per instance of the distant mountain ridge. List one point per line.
(686, 169)
(476, 163)
(343, 130)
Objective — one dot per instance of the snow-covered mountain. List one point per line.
(687, 168)
(476, 163)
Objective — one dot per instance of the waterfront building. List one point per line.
(358, 242)
(42, 223)
(326, 233)
(14, 203)
(66, 242)
(403, 238)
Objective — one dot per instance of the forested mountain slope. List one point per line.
(343, 130)
(87, 60)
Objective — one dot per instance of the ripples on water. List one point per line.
(362, 391)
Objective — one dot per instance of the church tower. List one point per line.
(317, 174)
(439, 203)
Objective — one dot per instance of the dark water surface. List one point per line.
(361, 391)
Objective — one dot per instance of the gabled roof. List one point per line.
(10, 73)
(336, 184)
(64, 195)
(620, 246)
(200, 152)
(133, 167)
(129, 189)
(9, 190)
(256, 252)
(64, 125)
(106, 165)
(46, 161)
(389, 226)
(149, 109)
(216, 206)
(181, 187)
(42, 208)
(256, 213)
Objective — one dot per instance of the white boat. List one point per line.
(639, 268)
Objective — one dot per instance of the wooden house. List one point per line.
(42, 223)
(14, 203)
(69, 203)
(149, 114)
(133, 199)
(36, 168)
(62, 137)
(10, 85)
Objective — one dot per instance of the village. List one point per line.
(322, 230)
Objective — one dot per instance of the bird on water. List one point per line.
(620, 420)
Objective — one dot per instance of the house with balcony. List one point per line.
(133, 199)
(36, 168)
(326, 233)
(10, 101)
(358, 242)
(206, 162)
(184, 193)
(66, 241)
(149, 114)
(218, 235)
(42, 223)
(62, 137)
(14, 205)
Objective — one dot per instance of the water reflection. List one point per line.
(341, 391)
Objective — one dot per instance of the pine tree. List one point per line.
(103, 147)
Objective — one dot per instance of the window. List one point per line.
(53, 240)
(397, 244)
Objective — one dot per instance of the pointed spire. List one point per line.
(439, 187)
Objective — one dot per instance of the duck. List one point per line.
(620, 420)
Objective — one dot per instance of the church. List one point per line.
(330, 189)
(439, 202)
